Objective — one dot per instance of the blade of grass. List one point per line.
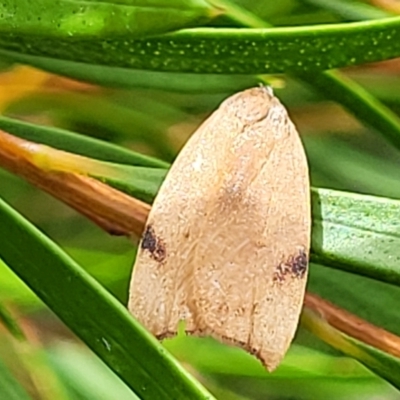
(11, 389)
(359, 102)
(85, 374)
(354, 326)
(357, 233)
(138, 182)
(79, 144)
(352, 10)
(356, 170)
(129, 78)
(92, 313)
(10, 323)
(123, 122)
(381, 363)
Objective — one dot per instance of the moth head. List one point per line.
(255, 104)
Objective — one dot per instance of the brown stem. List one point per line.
(354, 326)
(112, 210)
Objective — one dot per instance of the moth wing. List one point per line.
(234, 218)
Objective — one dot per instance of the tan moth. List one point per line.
(226, 243)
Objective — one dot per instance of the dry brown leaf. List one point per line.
(226, 243)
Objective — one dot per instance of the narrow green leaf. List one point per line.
(122, 121)
(357, 233)
(381, 363)
(351, 10)
(354, 169)
(92, 313)
(231, 51)
(129, 78)
(380, 85)
(359, 102)
(83, 19)
(10, 388)
(86, 374)
(211, 356)
(10, 323)
(303, 370)
(368, 298)
(139, 182)
(75, 143)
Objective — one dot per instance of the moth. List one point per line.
(225, 247)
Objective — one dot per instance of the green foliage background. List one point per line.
(161, 67)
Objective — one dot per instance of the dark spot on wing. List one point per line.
(153, 244)
(149, 241)
(300, 264)
(295, 266)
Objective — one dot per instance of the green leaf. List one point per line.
(381, 363)
(359, 102)
(85, 19)
(351, 10)
(10, 389)
(92, 313)
(357, 233)
(231, 51)
(10, 323)
(128, 78)
(380, 85)
(139, 182)
(370, 299)
(122, 121)
(352, 168)
(85, 374)
(78, 144)
(303, 370)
